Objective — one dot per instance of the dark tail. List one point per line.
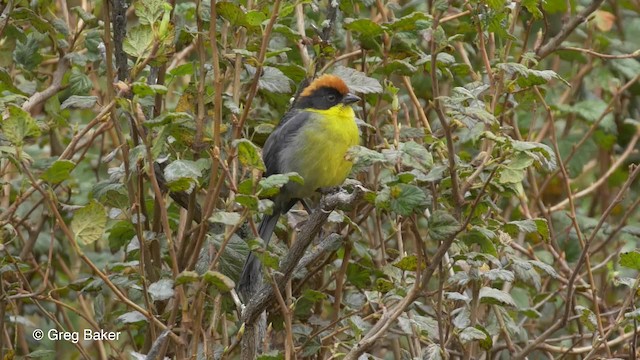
(251, 277)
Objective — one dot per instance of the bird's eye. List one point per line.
(331, 98)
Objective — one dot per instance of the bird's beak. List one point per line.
(350, 99)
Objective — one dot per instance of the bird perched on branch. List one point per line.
(312, 139)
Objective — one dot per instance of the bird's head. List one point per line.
(324, 93)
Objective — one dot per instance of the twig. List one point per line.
(593, 187)
(634, 54)
(52, 89)
(567, 29)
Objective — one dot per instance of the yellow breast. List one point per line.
(325, 140)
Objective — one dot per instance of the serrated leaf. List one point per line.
(525, 272)
(490, 295)
(413, 22)
(416, 155)
(471, 334)
(79, 102)
(138, 42)
(143, 89)
(271, 185)
(442, 225)
(231, 12)
(161, 290)
(407, 199)
(131, 317)
(79, 83)
(18, 126)
(587, 317)
(539, 152)
(363, 27)
(363, 157)
(227, 218)
(498, 274)
(187, 277)
(27, 51)
(220, 281)
(182, 175)
(249, 154)
(58, 172)
(254, 18)
(87, 17)
(529, 77)
(271, 79)
(357, 81)
(168, 118)
(399, 67)
(88, 223)
(407, 263)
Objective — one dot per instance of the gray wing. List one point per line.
(286, 131)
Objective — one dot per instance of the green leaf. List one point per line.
(363, 27)
(539, 152)
(79, 83)
(407, 199)
(168, 118)
(161, 290)
(254, 18)
(442, 225)
(120, 234)
(27, 51)
(186, 277)
(631, 259)
(532, 7)
(79, 102)
(407, 263)
(249, 154)
(227, 218)
(18, 126)
(363, 157)
(416, 156)
(143, 89)
(272, 79)
(34, 20)
(182, 175)
(138, 42)
(471, 334)
(490, 295)
(587, 317)
(528, 77)
(87, 17)
(357, 81)
(271, 185)
(88, 223)
(399, 67)
(413, 22)
(231, 12)
(58, 172)
(149, 11)
(220, 281)
(131, 317)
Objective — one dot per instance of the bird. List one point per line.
(312, 140)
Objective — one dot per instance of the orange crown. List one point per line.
(326, 80)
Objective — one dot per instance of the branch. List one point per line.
(553, 44)
(266, 295)
(52, 89)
